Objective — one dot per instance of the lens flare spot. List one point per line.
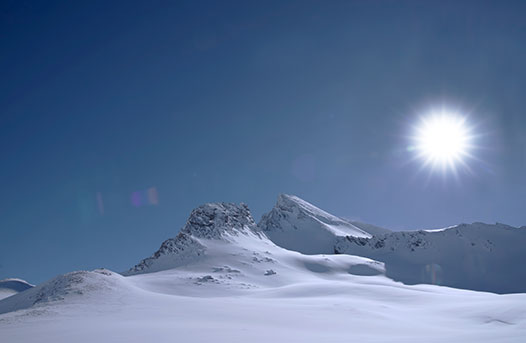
(145, 197)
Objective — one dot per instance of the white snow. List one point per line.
(297, 225)
(4, 293)
(223, 280)
(310, 299)
(474, 256)
(12, 286)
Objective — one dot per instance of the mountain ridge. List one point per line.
(297, 225)
(413, 257)
(474, 256)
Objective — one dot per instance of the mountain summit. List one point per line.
(212, 221)
(298, 225)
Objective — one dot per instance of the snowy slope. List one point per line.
(223, 280)
(371, 229)
(9, 287)
(297, 225)
(476, 256)
(68, 286)
(208, 224)
(147, 308)
(221, 245)
(219, 252)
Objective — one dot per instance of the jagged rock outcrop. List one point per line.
(212, 221)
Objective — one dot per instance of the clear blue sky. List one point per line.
(240, 101)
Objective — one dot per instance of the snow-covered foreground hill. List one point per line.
(223, 280)
(317, 307)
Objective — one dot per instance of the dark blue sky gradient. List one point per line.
(241, 101)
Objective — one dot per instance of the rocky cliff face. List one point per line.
(213, 221)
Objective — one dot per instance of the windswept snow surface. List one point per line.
(223, 280)
(307, 299)
(321, 304)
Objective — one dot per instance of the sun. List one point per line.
(442, 139)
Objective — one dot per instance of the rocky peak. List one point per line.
(208, 221)
(213, 219)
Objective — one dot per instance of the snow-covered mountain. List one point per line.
(224, 278)
(477, 256)
(209, 222)
(474, 256)
(219, 247)
(9, 287)
(298, 225)
(221, 244)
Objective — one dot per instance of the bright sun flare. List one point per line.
(442, 139)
